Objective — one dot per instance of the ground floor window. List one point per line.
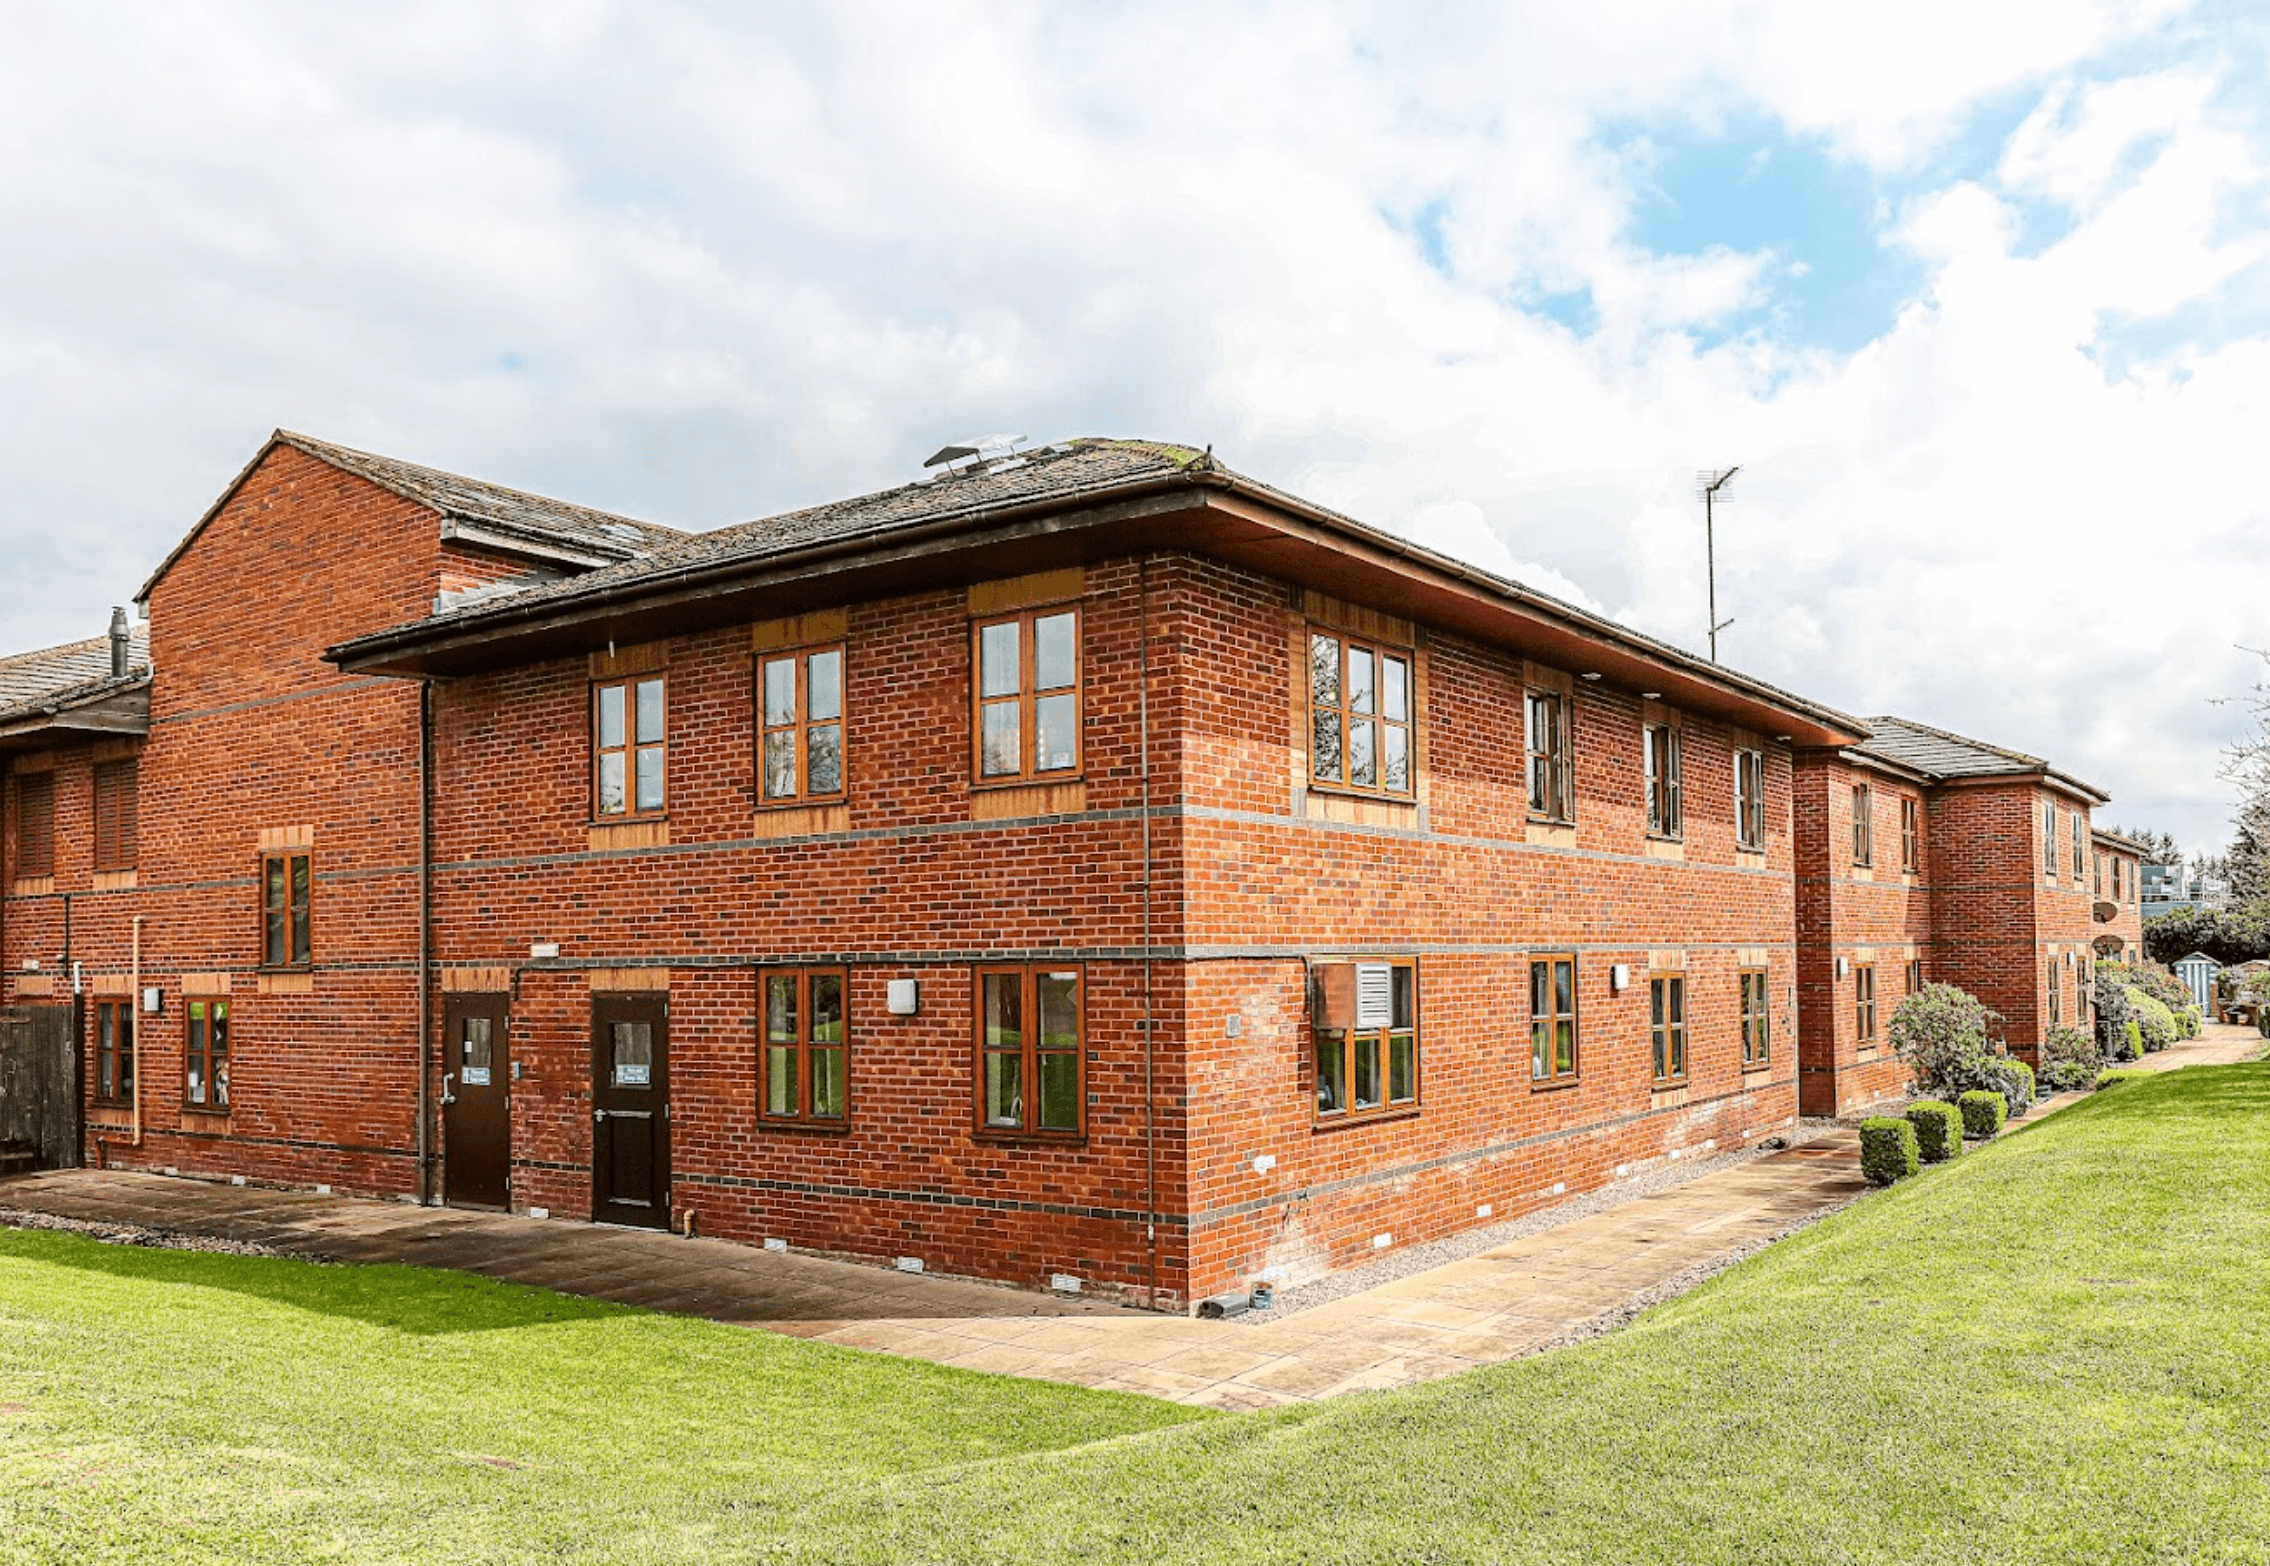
(1667, 1017)
(1864, 1004)
(114, 1051)
(806, 1045)
(1028, 1050)
(1552, 1018)
(1757, 1025)
(1372, 1067)
(208, 1084)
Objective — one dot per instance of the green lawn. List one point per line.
(2054, 1350)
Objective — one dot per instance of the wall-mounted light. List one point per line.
(1620, 977)
(1843, 967)
(903, 997)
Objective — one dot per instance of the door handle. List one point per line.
(598, 1115)
(447, 1078)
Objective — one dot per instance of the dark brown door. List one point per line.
(476, 1121)
(630, 1110)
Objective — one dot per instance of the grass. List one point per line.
(2054, 1348)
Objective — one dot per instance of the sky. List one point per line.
(1977, 297)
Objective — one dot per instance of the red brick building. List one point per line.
(1088, 864)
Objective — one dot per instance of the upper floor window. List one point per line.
(1750, 798)
(1028, 688)
(627, 746)
(2078, 850)
(2049, 837)
(805, 1050)
(1548, 738)
(1360, 715)
(1028, 1047)
(1373, 1066)
(1863, 829)
(1667, 1026)
(2096, 882)
(2116, 863)
(1552, 1018)
(35, 824)
(1757, 1020)
(1911, 844)
(116, 808)
(1662, 762)
(284, 898)
(800, 725)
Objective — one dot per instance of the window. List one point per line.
(1757, 1022)
(1548, 737)
(1863, 830)
(1552, 1019)
(805, 1045)
(1667, 1026)
(2097, 882)
(1750, 798)
(208, 1054)
(2049, 838)
(284, 911)
(2056, 993)
(1864, 1004)
(1662, 761)
(800, 725)
(627, 749)
(1914, 974)
(2116, 864)
(2077, 849)
(116, 806)
(2083, 985)
(1028, 689)
(35, 825)
(1911, 854)
(1028, 1040)
(1372, 1068)
(114, 1051)
(1360, 715)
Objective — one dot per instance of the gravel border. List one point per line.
(135, 1234)
(1662, 1175)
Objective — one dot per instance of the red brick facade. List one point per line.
(1190, 870)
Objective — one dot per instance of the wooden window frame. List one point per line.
(1757, 1019)
(1863, 827)
(630, 748)
(1345, 716)
(2116, 863)
(799, 728)
(35, 825)
(2052, 971)
(1026, 1127)
(113, 1025)
(117, 811)
(205, 1034)
(1347, 1046)
(1660, 766)
(1027, 697)
(1750, 800)
(2079, 859)
(1544, 1026)
(1911, 836)
(1864, 1004)
(1667, 1028)
(2049, 838)
(2096, 883)
(1914, 975)
(801, 1047)
(1550, 774)
(287, 910)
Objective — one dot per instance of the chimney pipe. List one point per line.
(121, 644)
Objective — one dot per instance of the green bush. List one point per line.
(1888, 1149)
(2069, 1060)
(2157, 1021)
(2135, 1040)
(1938, 1130)
(1983, 1113)
(2014, 1080)
(2119, 1075)
(2188, 1022)
(2114, 1016)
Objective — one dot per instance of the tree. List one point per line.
(2228, 934)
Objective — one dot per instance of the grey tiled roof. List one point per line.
(51, 676)
(1069, 468)
(1940, 753)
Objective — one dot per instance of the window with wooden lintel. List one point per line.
(1667, 1027)
(1750, 799)
(1757, 1020)
(1359, 715)
(629, 749)
(800, 725)
(1551, 797)
(286, 930)
(1029, 1056)
(1027, 719)
(2079, 827)
(1911, 838)
(207, 1068)
(1552, 1018)
(806, 1061)
(2049, 837)
(1863, 828)
(117, 806)
(1661, 761)
(114, 1051)
(1367, 1041)
(1864, 1004)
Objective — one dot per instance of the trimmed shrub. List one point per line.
(2069, 1060)
(1888, 1149)
(2188, 1022)
(1940, 1031)
(2014, 1080)
(1983, 1113)
(2157, 1021)
(2113, 1015)
(1938, 1130)
(2135, 1040)
(2117, 1076)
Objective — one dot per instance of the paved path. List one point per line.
(1498, 1305)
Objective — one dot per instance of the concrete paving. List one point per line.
(1498, 1305)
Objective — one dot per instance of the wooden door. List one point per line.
(39, 1087)
(630, 1110)
(476, 1118)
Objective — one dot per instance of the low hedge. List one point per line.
(1888, 1148)
(1938, 1130)
(1983, 1113)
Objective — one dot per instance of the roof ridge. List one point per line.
(371, 465)
(84, 644)
(1960, 739)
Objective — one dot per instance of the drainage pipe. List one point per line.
(134, 1010)
(425, 937)
(1150, 1022)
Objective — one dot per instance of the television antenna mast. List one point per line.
(1707, 485)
